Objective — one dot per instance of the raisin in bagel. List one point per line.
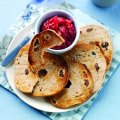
(92, 57)
(78, 88)
(94, 34)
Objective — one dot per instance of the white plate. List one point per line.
(36, 102)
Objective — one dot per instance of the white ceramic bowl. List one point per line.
(62, 13)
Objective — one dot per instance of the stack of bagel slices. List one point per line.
(67, 79)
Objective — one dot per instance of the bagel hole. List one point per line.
(42, 73)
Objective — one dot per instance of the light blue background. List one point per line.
(106, 106)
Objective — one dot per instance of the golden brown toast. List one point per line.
(78, 89)
(94, 34)
(92, 57)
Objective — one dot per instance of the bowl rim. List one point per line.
(76, 24)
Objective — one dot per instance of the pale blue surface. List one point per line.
(107, 105)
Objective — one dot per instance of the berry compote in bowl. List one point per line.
(63, 23)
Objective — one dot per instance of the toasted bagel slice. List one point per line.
(78, 89)
(92, 57)
(40, 43)
(94, 34)
(51, 78)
